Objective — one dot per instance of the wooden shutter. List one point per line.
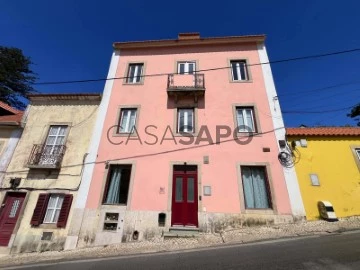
(40, 209)
(64, 212)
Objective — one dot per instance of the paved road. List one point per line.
(331, 252)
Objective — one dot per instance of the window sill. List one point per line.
(262, 211)
(249, 134)
(124, 134)
(138, 83)
(188, 135)
(244, 81)
(113, 205)
(48, 226)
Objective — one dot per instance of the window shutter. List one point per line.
(64, 212)
(40, 209)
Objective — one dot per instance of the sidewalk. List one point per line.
(241, 235)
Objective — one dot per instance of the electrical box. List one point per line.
(303, 143)
(207, 190)
(314, 179)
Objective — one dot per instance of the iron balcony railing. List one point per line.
(46, 156)
(186, 82)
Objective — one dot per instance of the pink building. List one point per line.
(187, 139)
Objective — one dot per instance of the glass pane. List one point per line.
(249, 119)
(181, 68)
(60, 202)
(234, 72)
(248, 187)
(132, 120)
(190, 189)
(124, 120)
(240, 119)
(14, 208)
(62, 130)
(243, 70)
(190, 124)
(53, 130)
(60, 140)
(51, 140)
(138, 72)
(56, 217)
(52, 201)
(131, 73)
(181, 120)
(179, 189)
(48, 216)
(191, 68)
(260, 191)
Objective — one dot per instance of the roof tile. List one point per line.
(323, 131)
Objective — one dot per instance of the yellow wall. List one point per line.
(5, 133)
(80, 116)
(338, 168)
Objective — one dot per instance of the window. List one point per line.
(53, 209)
(135, 73)
(256, 189)
(127, 120)
(117, 184)
(55, 139)
(245, 119)
(357, 150)
(239, 70)
(185, 120)
(186, 67)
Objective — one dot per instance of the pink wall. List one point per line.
(152, 172)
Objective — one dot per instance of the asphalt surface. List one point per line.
(333, 252)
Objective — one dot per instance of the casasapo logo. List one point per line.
(152, 135)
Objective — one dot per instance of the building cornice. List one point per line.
(181, 42)
(64, 97)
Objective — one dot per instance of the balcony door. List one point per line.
(184, 210)
(186, 67)
(53, 144)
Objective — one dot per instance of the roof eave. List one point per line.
(62, 97)
(10, 123)
(190, 42)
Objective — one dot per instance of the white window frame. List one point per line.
(57, 135)
(52, 218)
(127, 124)
(186, 67)
(238, 73)
(138, 73)
(245, 120)
(186, 120)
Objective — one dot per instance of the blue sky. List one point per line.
(72, 40)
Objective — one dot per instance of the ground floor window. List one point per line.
(52, 208)
(256, 187)
(117, 184)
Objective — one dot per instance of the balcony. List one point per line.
(46, 156)
(186, 85)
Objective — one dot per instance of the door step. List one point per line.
(181, 232)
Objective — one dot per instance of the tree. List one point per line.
(16, 77)
(355, 112)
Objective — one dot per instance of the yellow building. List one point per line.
(43, 177)
(10, 133)
(327, 163)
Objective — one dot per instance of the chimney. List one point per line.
(188, 36)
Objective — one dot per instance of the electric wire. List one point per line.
(204, 70)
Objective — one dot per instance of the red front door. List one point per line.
(9, 213)
(184, 211)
